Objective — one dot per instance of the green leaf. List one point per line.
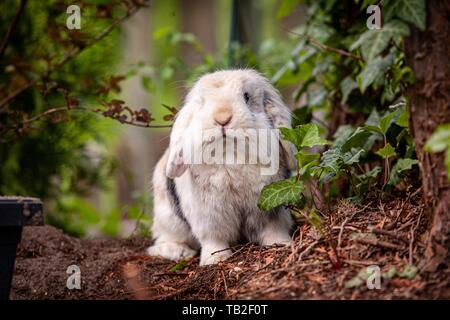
(440, 140)
(401, 166)
(312, 137)
(391, 273)
(405, 164)
(305, 158)
(301, 116)
(347, 86)
(292, 135)
(306, 135)
(373, 42)
(373, 70)
(386, 152)
(285, 192)
(316, 97)
(356, 140)
(409, 272)
(180, 265)
(409, 10)
(403, 118)
(148, 84)
(387, 120)
(352, 157)
(306, 161)
(374, 129)
(286, 8)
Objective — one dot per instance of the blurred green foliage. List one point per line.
(57, 161)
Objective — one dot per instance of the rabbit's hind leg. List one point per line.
(173, 237)
(171, 231)
(269, 228)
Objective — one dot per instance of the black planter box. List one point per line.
(15, 212)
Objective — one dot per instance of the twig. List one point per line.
(324, 46)
(411, 242)
(70, 54)
(379, 243)
(307, 250)
(393, 234)
(69, 108)
(342, 227)
(12, 27)
(363, 263)
(225, 283)
(341, 231)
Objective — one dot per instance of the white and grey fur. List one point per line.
(213, 207)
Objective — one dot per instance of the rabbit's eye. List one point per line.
(246, 97)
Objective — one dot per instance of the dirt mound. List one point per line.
(388, 234)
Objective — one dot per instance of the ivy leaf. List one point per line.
(383, 124)
(401, 166)
(405, 164)
(293, 136)
(301, 116)
(409, 272)
(281, 192)
(373, 42)
(440, 141)
(403, 118)
(312, 137)
(350, 158)
(374, 129)
(347, 86)
(372, 173)
(373, 69)
(306, 161)
(387, 120)
(409, 10)
(316, 97)
(180, 265)
(386, 152)
(356, 140)
(305, 158)
(306, 135)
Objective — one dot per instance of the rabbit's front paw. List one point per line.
(171, 250)
(213, 255)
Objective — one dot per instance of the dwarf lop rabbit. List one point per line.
(213, 206)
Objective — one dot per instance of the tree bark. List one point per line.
(428, 53)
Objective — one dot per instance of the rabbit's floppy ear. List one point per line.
(176, 162)
(277, 112)
(280, 117)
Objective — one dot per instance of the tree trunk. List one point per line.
(428, 53)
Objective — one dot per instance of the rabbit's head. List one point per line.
(223, 102)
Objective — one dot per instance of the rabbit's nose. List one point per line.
(223, 120)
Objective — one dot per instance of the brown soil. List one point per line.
(119, 269)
